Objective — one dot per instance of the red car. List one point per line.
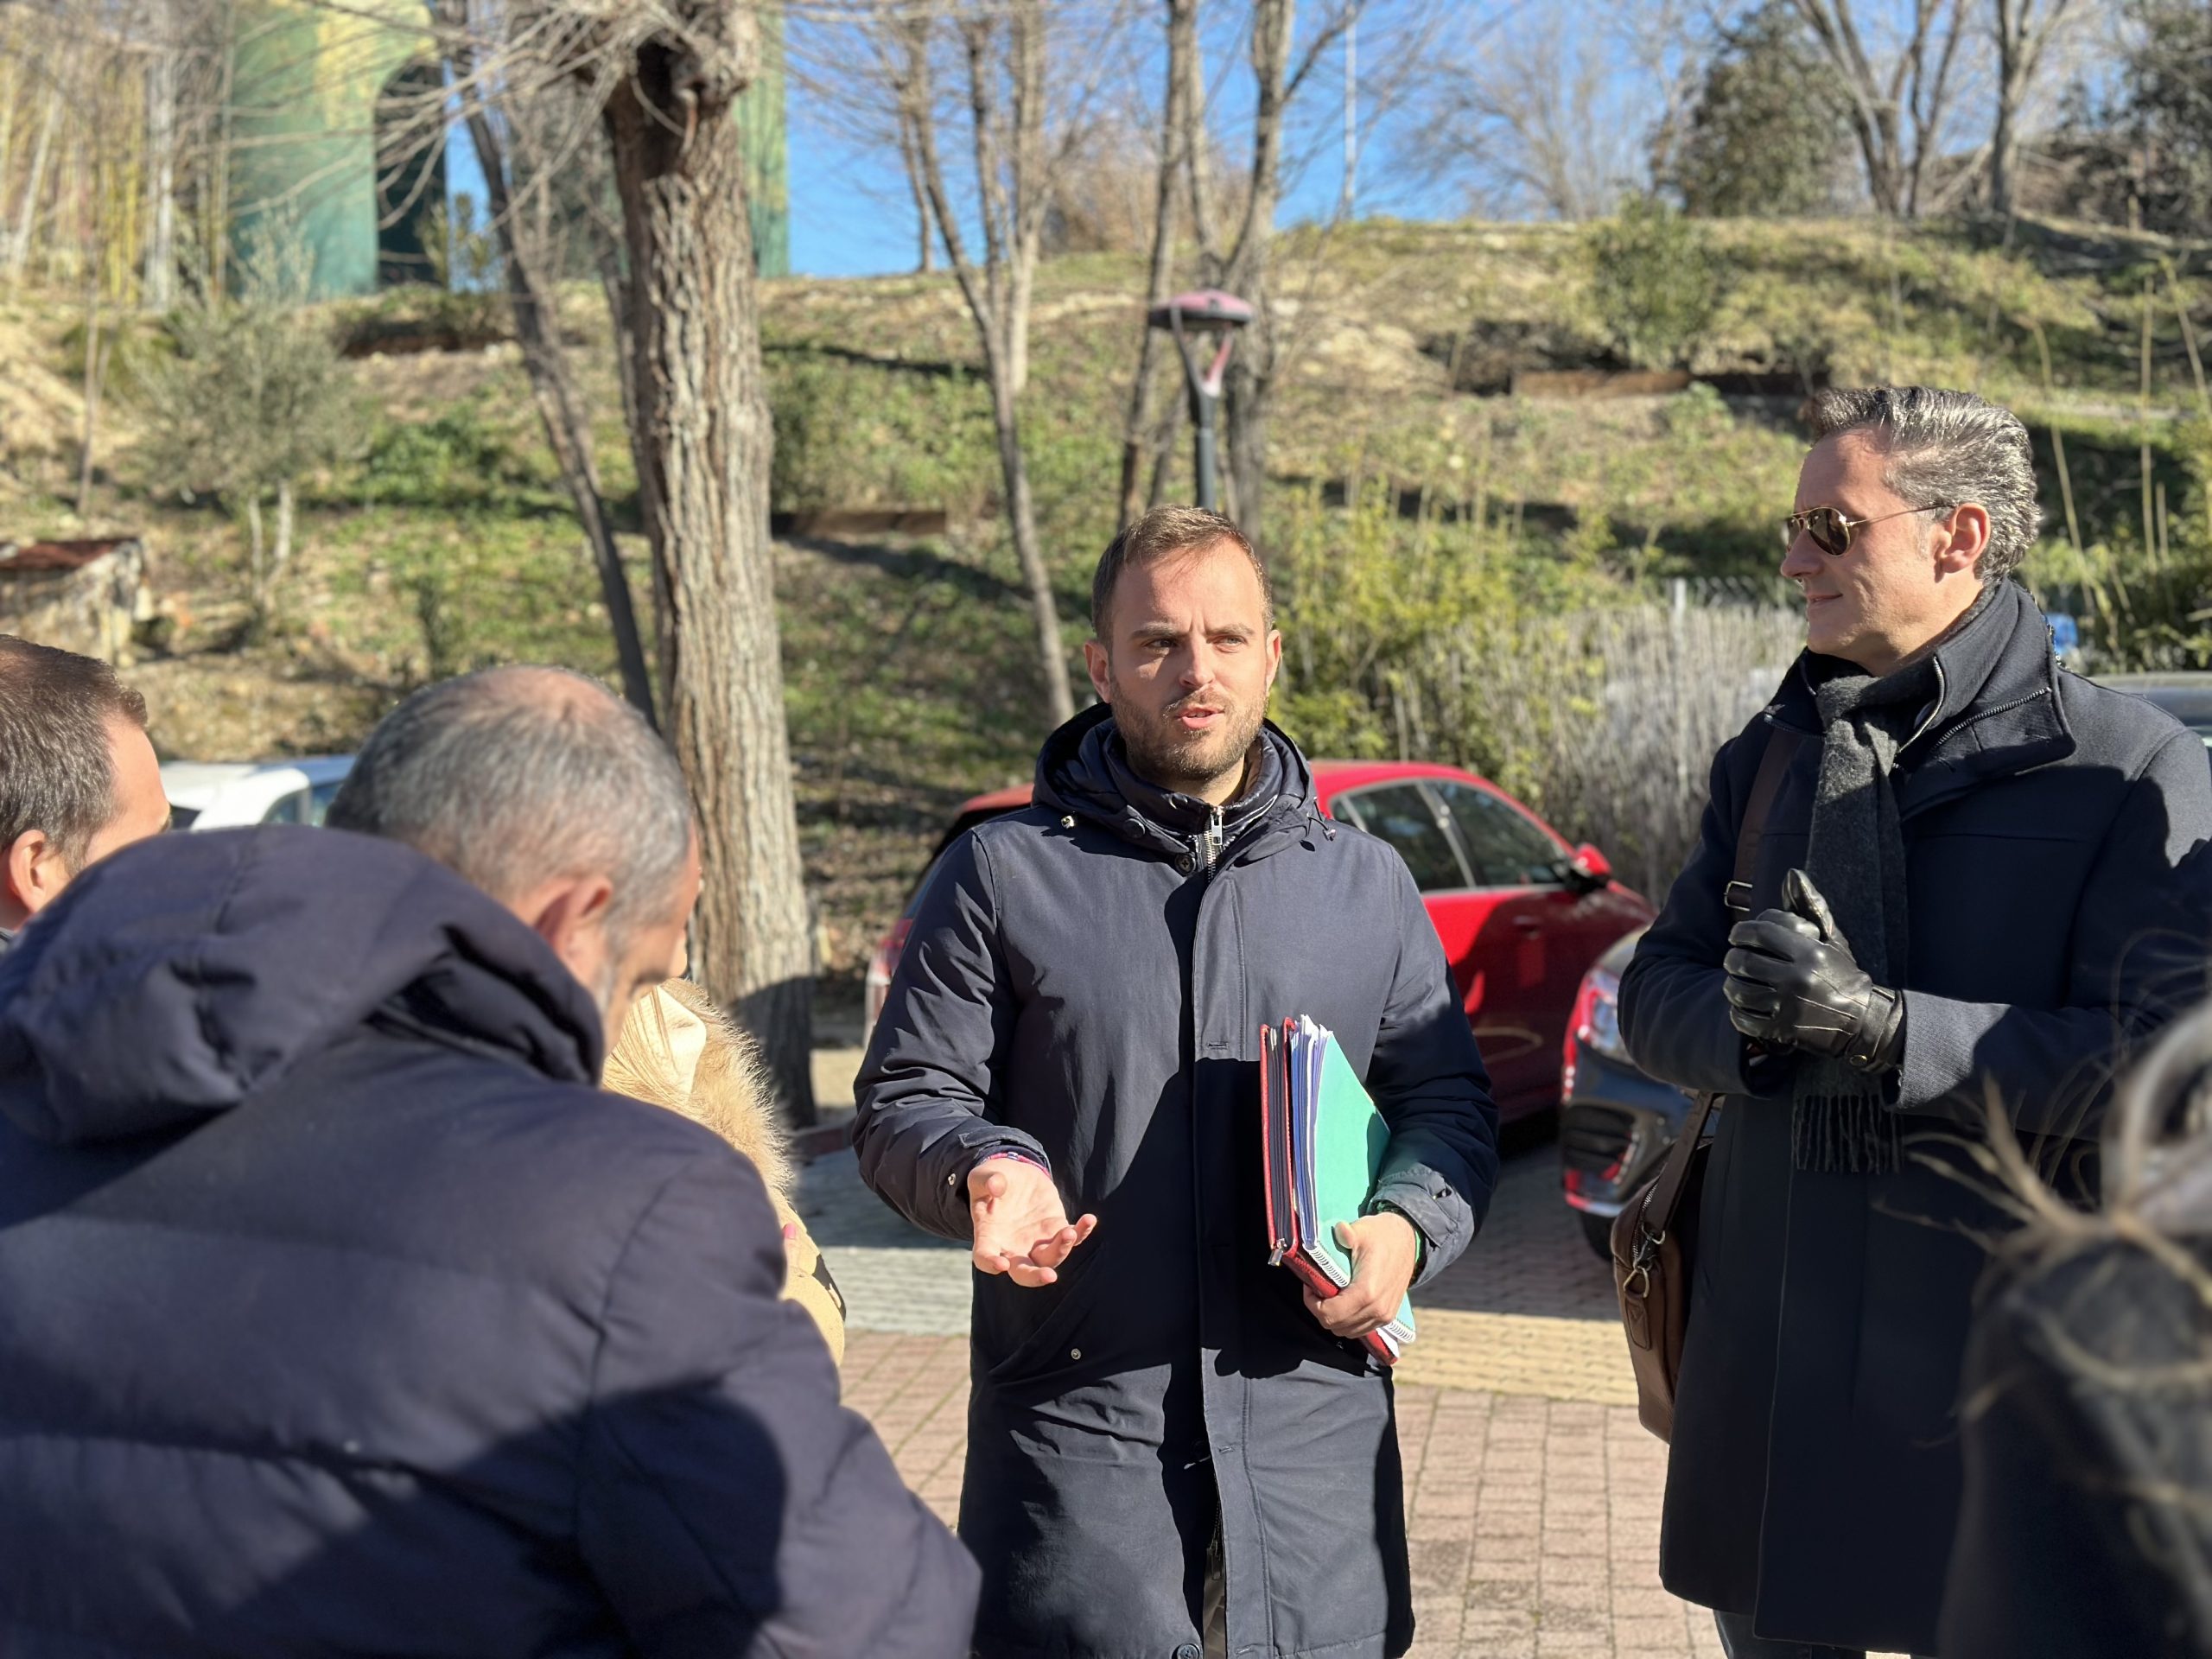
(1521, 914)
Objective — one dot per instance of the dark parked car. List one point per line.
(1616, 1123)
(1520, 913)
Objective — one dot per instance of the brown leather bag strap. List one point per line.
(1781, 745)
(1774, 764)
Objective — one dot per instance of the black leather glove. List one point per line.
(1791, 985)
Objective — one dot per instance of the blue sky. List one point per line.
(852, 214)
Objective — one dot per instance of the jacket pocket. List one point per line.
(1016, 1351)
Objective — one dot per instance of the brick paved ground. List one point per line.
(1532, 1493)
(1534, 1523)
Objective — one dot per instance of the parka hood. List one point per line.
(1084, 770)
(172, 979)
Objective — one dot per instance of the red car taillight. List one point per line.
(1596, 1021)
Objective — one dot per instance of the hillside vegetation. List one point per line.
(1409, 493)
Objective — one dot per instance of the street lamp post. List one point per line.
(1203, 311)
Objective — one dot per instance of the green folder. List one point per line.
(1325, 1145)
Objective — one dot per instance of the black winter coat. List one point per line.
(1814, 1476)
(1078, 985)
(341, 1313)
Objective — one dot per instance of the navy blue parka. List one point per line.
(1083, 983)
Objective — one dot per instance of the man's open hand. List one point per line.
(1022, 1228)
(1384, 1250)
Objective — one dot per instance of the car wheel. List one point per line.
(1598, 1230)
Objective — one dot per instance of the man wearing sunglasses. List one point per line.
(1971, 892)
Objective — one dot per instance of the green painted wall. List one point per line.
(767, 167)
(303, 134)
(304, 128)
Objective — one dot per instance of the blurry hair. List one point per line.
(1945, 448)
(513, 776)
(1160, 534)
(57, 771)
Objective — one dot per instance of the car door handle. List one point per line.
(1529, 924)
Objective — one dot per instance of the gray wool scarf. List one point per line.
(1841, 1121)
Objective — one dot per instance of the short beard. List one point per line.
(1185, 769)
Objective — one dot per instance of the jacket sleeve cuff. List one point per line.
(1380, 1207)
(1442, 1221)
(957, 1222)
(1018, 1154)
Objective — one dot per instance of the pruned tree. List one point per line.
(666, 75)
(1002, 51)
(1898, 101)
(660, 81)
(2023, 32)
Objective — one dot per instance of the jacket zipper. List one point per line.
(1934, 708)
(1207, 848)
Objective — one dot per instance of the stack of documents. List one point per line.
(1322, 1140)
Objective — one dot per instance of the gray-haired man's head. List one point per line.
(554, 798)
(1912, 501)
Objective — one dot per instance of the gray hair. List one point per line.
(1945, 448)
(57, 769)
(511, 776)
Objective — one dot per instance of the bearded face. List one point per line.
(1188, 668)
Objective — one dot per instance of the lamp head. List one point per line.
(1203, 308)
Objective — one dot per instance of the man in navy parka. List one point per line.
(1171, 1450)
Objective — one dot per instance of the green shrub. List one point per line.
(1764, 135)
(454, 460)
(1656, 284)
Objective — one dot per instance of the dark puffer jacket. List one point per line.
(341, 1313)
(1079, 985)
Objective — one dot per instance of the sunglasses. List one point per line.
(1832, 532)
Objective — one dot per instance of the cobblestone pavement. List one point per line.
(1534, 1523)
(1532, 1492)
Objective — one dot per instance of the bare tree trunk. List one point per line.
(281, 557)
(257, 571)
(615, 287)
(1021, 513)
(19, 247)
(2022, 38)
(679, 166)
(567, 434)
(160, 272)
(1872, 105)
(1930, 98)
(2003, 141)
(95, 355)
(1252, 368)
(1136, 429)
(925, 233)
(998, 294)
